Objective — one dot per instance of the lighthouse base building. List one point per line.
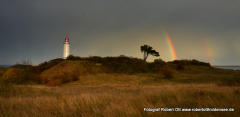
(66, 48)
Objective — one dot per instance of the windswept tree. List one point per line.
(146, 49)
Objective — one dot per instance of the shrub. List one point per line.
(190, 62)
(2, 70)
(20, 76)
(61, 79)
(54, 82)
(180, 67)
(167, 72)
(158, 60)
(13, 75)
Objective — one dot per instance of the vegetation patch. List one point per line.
(167, 72)
(2, 70)
(230, 81)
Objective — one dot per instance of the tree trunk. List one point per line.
(145, 56)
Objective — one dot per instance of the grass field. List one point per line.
(99, 91)
(126, 95)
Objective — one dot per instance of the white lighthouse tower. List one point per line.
(66, 48)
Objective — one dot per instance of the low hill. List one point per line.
(60, 71)
(121, 64)
(182, 70)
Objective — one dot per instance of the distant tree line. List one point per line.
(190, 62)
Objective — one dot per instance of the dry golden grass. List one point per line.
(99, 94)
(117, 95)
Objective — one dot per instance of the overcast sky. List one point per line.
(206, 30)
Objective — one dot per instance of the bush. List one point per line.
(13, 75)
(21, 73)
(158, 61)
(71, 57)
(54, 82)
(2, 70)
(61, 79)
(190, 62)
(167, 72)
(180, 67)
(20, 76)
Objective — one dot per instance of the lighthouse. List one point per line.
(66, 48)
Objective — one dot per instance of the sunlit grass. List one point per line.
(117, 95)
(97, 93)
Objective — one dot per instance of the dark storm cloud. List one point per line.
(109, 28)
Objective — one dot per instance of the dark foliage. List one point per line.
(21, 73)
(62, 79)
(235, 81)
(71, 57)
(121, 64)
(190, 62)
(21, 66)
(167, 72)
(46, 65)
(156, 66)
(2, 70)
(148, 50)
(180, 67)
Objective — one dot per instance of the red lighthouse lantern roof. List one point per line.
(66, 38)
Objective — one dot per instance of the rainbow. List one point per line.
(209, 51)
(170, 45)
